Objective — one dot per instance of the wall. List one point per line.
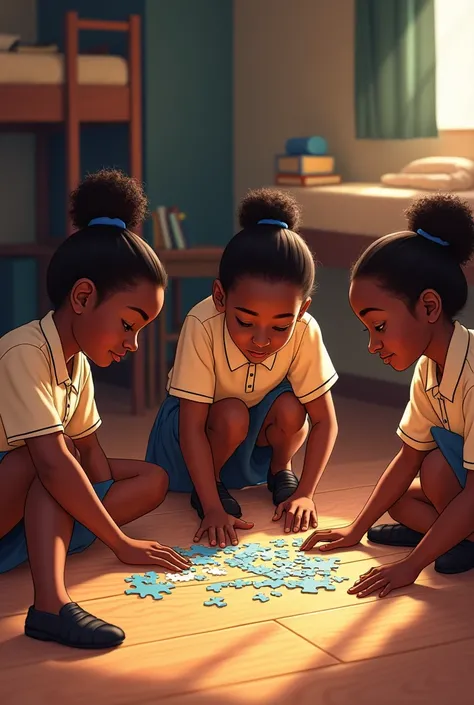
(293, 75)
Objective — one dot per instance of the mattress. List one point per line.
(358, 208)
(48, 69)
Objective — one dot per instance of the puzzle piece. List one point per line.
(275, 593)
(146, 590)
(231, 549)
(268, 583)
(239, 583)
(282, 553)
(217, 601)
(339, 578)
(279, 543)
(216, 571)
(309, 585)
(180, 577)
(204, 560)
(216, 587)
(200, 577)
(260, 596)
(296, 543)
(137, 579)
(266, 556)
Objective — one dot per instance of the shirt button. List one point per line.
(251, 374)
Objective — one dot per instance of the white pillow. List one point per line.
(456, 181)
(439, 165)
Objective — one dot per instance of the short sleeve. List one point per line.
(311, 372)
(419, 415)
(193, 376)
(27, 406)
(85, 419)
(468, 411)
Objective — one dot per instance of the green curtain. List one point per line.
(395, 69)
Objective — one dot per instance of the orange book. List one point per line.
(305, 180)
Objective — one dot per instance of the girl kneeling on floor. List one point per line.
(250, 366)
(105, 285)
(407, 288)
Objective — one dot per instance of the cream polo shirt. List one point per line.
(448, 404)
(37, 396)
(209, 366)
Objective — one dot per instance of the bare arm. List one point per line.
(321, 440)
(197, 452)
(392, 485)
(451, 527)
(66, 481)
(93, 459)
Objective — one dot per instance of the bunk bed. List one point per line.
(40, 93)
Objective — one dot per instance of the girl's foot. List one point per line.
(74, 627)
(231, 506)
(394, 535)
(282, 485)
(458, 559)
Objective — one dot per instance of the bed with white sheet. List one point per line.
(369, 209)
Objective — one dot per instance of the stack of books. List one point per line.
(306, 163)
(168, 229)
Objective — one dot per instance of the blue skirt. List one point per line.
(451, 446)
(247, 466)
(13, 547)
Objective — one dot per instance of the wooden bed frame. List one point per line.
(42, 108)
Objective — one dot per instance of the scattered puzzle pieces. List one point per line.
(217, 601)
(279, 543)
(215, 571)
(216, 587)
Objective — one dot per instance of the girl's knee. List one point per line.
(437, 478)
(229, 421)
(290, 414)
(156, 482)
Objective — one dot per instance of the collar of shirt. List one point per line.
(454, 365)
(236, 358)
(53, 342)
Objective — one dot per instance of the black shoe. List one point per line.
(394, 535)
(282, 485)
(74, 627)
(458, 559)
(230, 505)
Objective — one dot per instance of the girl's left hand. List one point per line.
(385, 578)
(300, 513)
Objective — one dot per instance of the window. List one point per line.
(454, 31)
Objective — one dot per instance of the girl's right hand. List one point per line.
(221, 527)
(345, 537)
(138, 552)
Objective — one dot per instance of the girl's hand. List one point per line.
(136, 552)
(221, 525)
(300, 513)
(335, 538)
(385, 578)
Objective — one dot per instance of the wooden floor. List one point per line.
(415, 646)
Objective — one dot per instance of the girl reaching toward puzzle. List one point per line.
(105, 285)
(250, 367)
(408, 288)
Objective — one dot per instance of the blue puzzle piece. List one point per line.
(200, 577)
(282, 553)
(309, 585)
(260, 596)
(140, 579)
(216, 587)
(204, 560)
(296, 543)
(233, 562)
(266, 556)
(239, 583)
(217, 601)
(275, 593)
(198, 550)
(339, 578)
(230, 549)
(279, 543)
(268, 583)
(146, 590)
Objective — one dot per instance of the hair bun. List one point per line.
(269, 204)
(108, 193)
(447, 217)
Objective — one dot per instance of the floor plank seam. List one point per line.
(321, 648)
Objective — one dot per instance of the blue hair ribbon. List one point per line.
(270, 221)
(116, 222)
(427, 236)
